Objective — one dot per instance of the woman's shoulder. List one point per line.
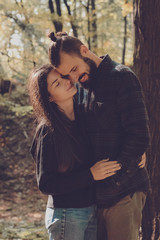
(42, 131)
(42, 134)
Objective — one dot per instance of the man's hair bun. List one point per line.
(52, 36)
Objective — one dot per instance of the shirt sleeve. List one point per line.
(49, 180)
(134, 121)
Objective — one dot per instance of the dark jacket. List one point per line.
(71, 189)
(118, 129)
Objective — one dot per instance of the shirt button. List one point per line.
(118, 184)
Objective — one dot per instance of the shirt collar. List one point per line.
(105, 64)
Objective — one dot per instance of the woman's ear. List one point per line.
(84, 50)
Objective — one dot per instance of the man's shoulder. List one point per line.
(114, 67)
(120, 69)
(122, 74)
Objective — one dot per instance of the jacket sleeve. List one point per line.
(134, 122)
(49, 180)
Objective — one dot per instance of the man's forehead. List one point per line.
(67, 62)
(64, 68)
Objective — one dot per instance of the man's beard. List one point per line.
(90, 83)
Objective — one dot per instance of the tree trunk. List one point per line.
(146, 63)
(57, 24)
(88, 36)
(94, 26)
(124, 40)
(74, 27)
(88, 24)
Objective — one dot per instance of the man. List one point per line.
(118, 128)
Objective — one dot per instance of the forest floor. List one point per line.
(22, 206)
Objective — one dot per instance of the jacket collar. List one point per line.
(103, 71)
(105, 64)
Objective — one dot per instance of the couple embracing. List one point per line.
(89, 144)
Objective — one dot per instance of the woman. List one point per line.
(65, 168)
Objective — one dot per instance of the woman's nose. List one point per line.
(67, 82)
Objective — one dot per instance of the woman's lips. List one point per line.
(70, 87)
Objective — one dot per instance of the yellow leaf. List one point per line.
(127, 8)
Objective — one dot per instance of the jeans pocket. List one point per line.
(54, 223)
(55, 230)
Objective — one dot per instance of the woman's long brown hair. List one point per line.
(48, 113)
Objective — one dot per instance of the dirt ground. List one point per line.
(22, 206)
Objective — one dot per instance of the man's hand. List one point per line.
(143, 161)
(104, 169)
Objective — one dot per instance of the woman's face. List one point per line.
(60, 89)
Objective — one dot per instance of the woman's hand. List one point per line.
(104, 169)
(143, 161)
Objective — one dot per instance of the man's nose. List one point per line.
(74, 77)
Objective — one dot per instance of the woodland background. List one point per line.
(129, 31)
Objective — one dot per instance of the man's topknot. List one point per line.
(52, 36)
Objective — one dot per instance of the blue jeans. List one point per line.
(71, 223)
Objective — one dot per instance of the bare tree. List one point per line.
(57, 24)
(74, 27)
(87, 8)
(124, 40)
(94, 25)
(90, 8)
(28, 29)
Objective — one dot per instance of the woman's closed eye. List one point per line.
(74, 69)
(57, 84)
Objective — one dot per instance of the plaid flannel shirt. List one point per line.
(117, 124)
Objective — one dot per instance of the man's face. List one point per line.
(77, 69)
